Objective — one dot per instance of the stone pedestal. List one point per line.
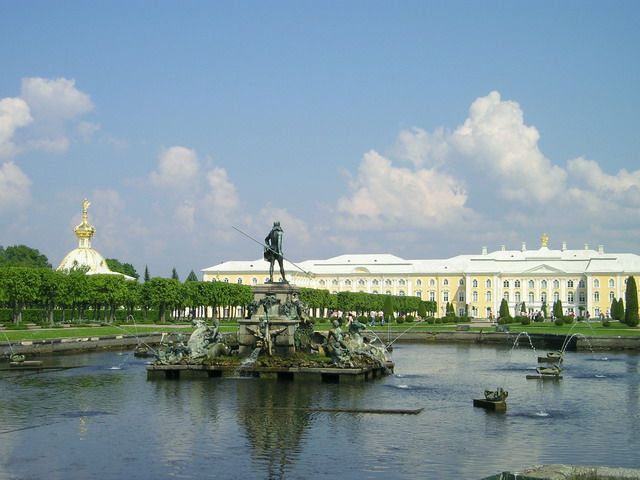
(275, 307)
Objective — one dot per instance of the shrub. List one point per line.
(559, 322)
(399, 320)
(606, 323)
(525, 320)
(568, 319)
(409, 318)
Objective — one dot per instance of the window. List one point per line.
(556, 296)
(543, 284)
(474, 296)
(402, 282)
(531, 298)
(334, 282)
(611, 283)
(474, 283)
(611, 296)
(375, 283)
(461, 312)
(570, 283)
(596, 283)
(505, 284)
(487, 284)
(445, 296)
(432, 283)
(506, 296)
(596, 296)
(543, 297)
(347, 282)
(581, 284)
(361, 283)
(570, 297)
(531, 284)
(387, 292)
(517, 284)
(432, 296)
(419, 293)
(226, 280)
(461, 282)
(322, 283)
(461, 296)
(387, 283)
(254, 281)
(445, 282)
(239, 281)
(418, 283)
(401, 293)
(488, 296)
(556, 284)
(581, 297)
(517, 297)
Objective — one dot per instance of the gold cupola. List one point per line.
(85, 231)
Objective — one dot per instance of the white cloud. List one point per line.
(57, 98)
(221, 198)
(177, 167)
(623, 187)
(14, 186)
(388, 196)
(495, 138)
(14, 113)
(421, 147)
(87, 129)
(295, 228)
(185, 216)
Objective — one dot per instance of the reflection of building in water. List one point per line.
(86, 257)
(585, 280)
(275, 417)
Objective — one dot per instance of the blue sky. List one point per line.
(422, 129)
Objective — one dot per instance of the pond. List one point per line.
(104, 419)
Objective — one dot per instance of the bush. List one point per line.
(399, 320)
(606, 323)
(559, 322)
(525, 320)
(409, 318)
(568, 319)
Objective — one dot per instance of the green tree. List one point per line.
(192, 277)
(125, 268)
(147, 277)
(620, 310)
(162, 293)
(545, 309)
(614, 308)
(631, 297)
(505, 314)
(20, 287)
(174, 274)
(22, 256)
(557, 309)
(387, 308)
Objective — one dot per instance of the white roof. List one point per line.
(531, 262)
(87, 257)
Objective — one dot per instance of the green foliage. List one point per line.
(620, 310)
(631, 297)
(125, 268)
(387, 308)
(22, 256)
(504, 310)
(191, 277)
(545, 310)
(524, 320)
(557, 309)
(147, 277)
(559, 321)
(174, 274)
(614, 308)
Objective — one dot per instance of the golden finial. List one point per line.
(544, 240)
(85, 230)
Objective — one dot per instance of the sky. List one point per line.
(423, 129)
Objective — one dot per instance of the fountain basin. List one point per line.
(493, 405)
(315, 374)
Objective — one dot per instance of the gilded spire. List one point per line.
(544, 240)
(85, 230)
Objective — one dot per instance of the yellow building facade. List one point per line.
(585, 280)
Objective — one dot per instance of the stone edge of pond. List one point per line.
(568, 472)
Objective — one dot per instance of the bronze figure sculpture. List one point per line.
(273, 250)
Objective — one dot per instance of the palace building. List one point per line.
(585, 280)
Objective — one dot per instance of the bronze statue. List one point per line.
(273, 250)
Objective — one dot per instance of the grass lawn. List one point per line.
(586, 329)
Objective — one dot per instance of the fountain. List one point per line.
(277, 341)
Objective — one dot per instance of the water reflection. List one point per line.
(91, 421)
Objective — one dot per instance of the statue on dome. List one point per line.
(85, 206)
(273, 250)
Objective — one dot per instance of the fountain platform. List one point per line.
(539, 376)
(494, 405)
(313, 374)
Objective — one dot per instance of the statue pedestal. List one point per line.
(276, 311)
